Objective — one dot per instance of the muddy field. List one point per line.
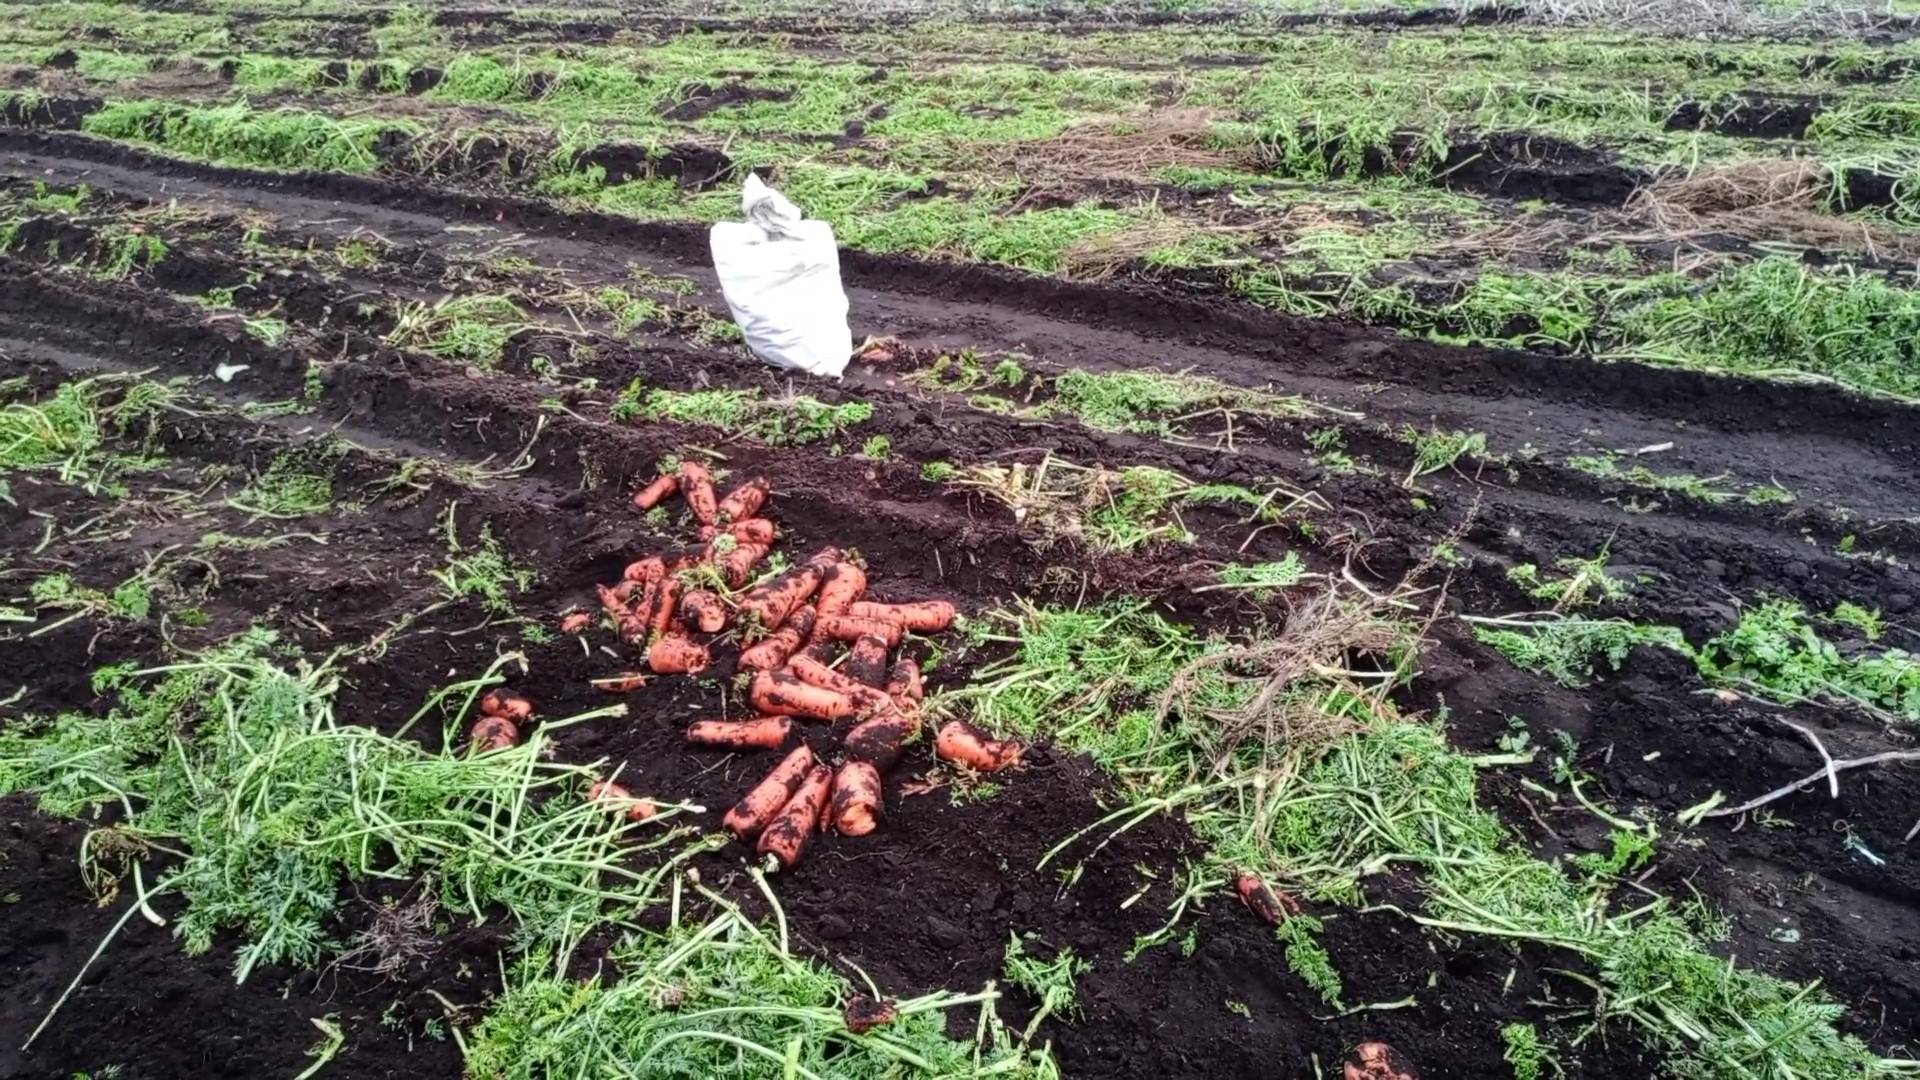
(243, 397)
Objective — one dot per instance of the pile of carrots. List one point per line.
(502, 714)
(818, 648)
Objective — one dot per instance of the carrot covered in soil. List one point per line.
(758, 806)
(696, 483)
(743, 502)
(849, 628)
(1377, 1061)
(761, 733)
(856, 798)
(619, 684)
(655, 493)
(619, 799)
(645, 571)
(576, 622)
(769, 605)
(703, 611)
(814, 673)
(843, 584)
(903, 681)
(965, 744)
(747, 531)
(926, 617)
(867, 661)
(502, 702)
(1272, 907)
(492, 733)
(862, 1013)
(666, 600)
(777, 693)
(736, 566)
(786, 836)
(678, 654)
(880, 739)
(772, 652)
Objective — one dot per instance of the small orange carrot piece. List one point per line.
(620, 800)
(736, 566)
(703, 611)
(786, 836)
(645, 571)
(965, 744)
(492, 733)
(758, 806)
(622, 683)
(576, 622)
(1272, 907)
(856, 798)
(761, 733)
(867, 661)
(844, 583)
(903, 681)
(743, 502)
(862, 1014)
(696, 483)
(848, 628)
(1377, 1061)
(882, 738)
(653, 494)
(507, 703)
(926, 617)
(677, 654)
(666, 602)
(777, 693)
(772, 652)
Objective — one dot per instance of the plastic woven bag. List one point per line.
(781, 276)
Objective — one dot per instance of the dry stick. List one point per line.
(1833, 779)
(1832, 767)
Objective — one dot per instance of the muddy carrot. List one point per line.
(814, 673)
(1272, 907)
(844, 583)
(786, 836)
(964, 744)
(619, 684)
(848, 628)
(492, 733)
(696, 483)
(862, 1014)
(677, 654)
(576, 622)
(650, 569)
(619, 799)
(736, 566)
(617, 601)
(880, 739)
(773, 651)
(758, 807)
(653, 494)
(754, 530)
(507, 703)
(777, 693)
(867, 661)
(769, 605)
(856, 798)
(635, 620)
(1377, 1061)
(926, 617)
(743, 501)
(666, 601)
(903, 681)
(704, 611)
(762, 733)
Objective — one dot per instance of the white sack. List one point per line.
(781, 277)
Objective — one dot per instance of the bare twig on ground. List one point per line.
(1831, 767)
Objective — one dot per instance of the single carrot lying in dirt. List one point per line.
(862, 1013)
(965, 744)
(703, 611)
(677, 654)
(619, 799)
(492, 733)
(1378, 1061)
(880, 739)
(848, 628)
(763, 733)
(696, 483)
(856, 798)
(778, 693)
(766, 607)
(666, 601)
(772, 652)
(1272, 907)
(926, 617)
(655, 493)
(814, 673)
(619, 684)
(867, 661)
(748, 530)
(844, 583)
(736, 566)
(507, 703)
(634, 619)
(576, 622)
(645, 571)
(743, 501)
(758, 806)
(903, 681)
(786, 836)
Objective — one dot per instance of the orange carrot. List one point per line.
(903, 681)
(617, 601)
(620, 799)
(777, 693)
(576, 622)
(862, 1014)
(647, 570)
(848, 628)
(856, 798)
(665, 602)
(845, 583)
(753, 811)
(880, 739)
(635, 621)
(867, 661)
(736, 566)
(755, 530)
(743, 501)
(503, 702)
(786, 836)
(769, 605)
(492, 733)
(1377, 1061)
(926, 617)
(696, 483)
(964, 744)
(704, 611)
(772, 652)
(677, 654)
(1272, 907)
(651, 496)
(619, 684)
(761, 733)
(814, 673)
